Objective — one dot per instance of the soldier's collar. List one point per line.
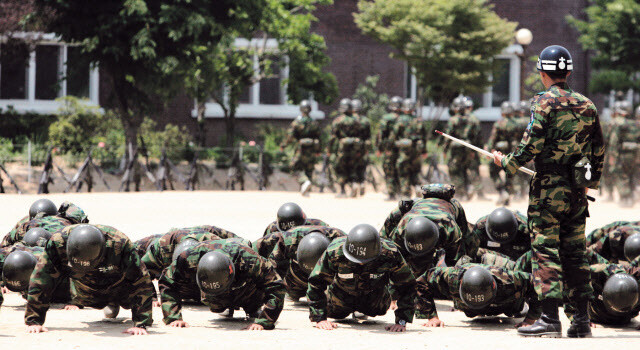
(561, 85)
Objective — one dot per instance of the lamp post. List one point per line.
(524, 37)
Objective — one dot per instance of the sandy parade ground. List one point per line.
(247, 214)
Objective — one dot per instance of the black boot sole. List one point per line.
(580, 335)
(542, 335)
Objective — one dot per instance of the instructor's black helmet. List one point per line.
(620, 293)
(215, 273)
(421, 236)
(555, 59)
(17, 270)
(305, 106)
(502, 225)
(362, 244)
(42, 206)
(36, 237)
(185, 244)
(478, 287)
(310, 249)
(632, 247)
(290, 215)
(85, 247)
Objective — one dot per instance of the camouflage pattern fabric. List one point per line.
(49, 223)
(360, 287)
(304, 133)
(273, 227)
(599, 233)
(120, 278)
(72, 213)
(14, 230)
(255, 284)
(265, 245)
(348, 147)
(611, 246)
(386, 146)
(460, 159)
(410, 137)
(364, 126)
(563, 129)
(159, 255)
(501, 139)
(624, 152)
(478, 242)
(514, 288)
(143, 244)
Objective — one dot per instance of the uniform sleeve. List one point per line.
(391, 222)
(531, 144)
(404, 283)
(152, 260)
(290, 135)
(524, 262)
(279, 257)
(170, 296)
(321, 276)
(597, 151)
(433, 280)
(265, 245)
(274, 291)
(525, 281)
(142, 289)
(44, 279)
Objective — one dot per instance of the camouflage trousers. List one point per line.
(408, 169)
(373, 303)
(464, 172)
(505, 184)
(389, 160)
(625, 178)
(557, 215)
(304, 163)
(347, 165)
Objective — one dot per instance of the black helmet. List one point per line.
(310, 249)
(506, 108)
(395, 103)
(215, 273)
(555, 59)
(17, 270)
(408, 105)
(356, 105)
(467, 102)
(502, 225)
(620, 293)
(457, 104)
(421, 236)
(305, 106)
(85, 247)
(362, 244)
(478, 287)
(632, 247)
(36, 237)
(290, 215)
(42, 206)
(185, 244)
(345, 105)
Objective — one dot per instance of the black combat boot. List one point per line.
(548, 325)
(581, 324)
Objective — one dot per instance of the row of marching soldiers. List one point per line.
(425, 250)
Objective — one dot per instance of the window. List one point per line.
(501, 81)
(78, 73)
(14, 64)
(270, 93)
(47, 69)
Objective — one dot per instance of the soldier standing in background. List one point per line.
(474, 134)
(387, 148)
(459, 159)
(304, 132)
(409, 135)
(500, 140)
(362, 160)
(624, 146)
(521, 180)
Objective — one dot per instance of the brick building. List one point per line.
(354, 57)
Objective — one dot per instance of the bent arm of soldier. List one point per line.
(430, 281)
(319, 279)
(391, 222)
(404, 283)
(531, 144)
(274, 292)
(44, 279)
(490, 257)
(279, 257)
(524, 262)
(142, 291)
(264, 246)
(171, 299)
(461, 216)
(220, 232)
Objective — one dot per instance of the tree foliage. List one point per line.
(449, 44)
(612, 31)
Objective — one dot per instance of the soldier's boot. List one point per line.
(305, 188)
(548, 325)
(359, 316)
(362, 189)
(228, 313)
(353, 190)
(580, 325)
(342, 193)
(111, 311)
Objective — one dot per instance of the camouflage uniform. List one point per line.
(624, 147)
(360, 287)
(143, 244)
(347, 146)
(608, 171)
(386, 146)
(557, 211)
(160, 253)
(477, 242)
(599, 233)
(365, 135)
(514, 288)
(520, 179)
(273, 227)
(409, 136)
(462, 161)
(611, 246)
(281, 248)
(501, 139)
(304, 132)
(255, 284)
(120, 279)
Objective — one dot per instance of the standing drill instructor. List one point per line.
(565, 141)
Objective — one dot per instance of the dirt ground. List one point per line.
(247, 214)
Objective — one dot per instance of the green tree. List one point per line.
(612, 31)
(449, 44)
(374, 103)
(223, 72)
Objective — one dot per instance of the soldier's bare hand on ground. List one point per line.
(71, 307)
(326, 325)
(156, 303)
(525, 322)
(497, 157)
(393, 306)
(253, 327)
(36, 329)
(5, 290)
(136, 331)
(396, 328)
(179, 324)
(434, 322)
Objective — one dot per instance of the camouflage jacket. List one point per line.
(273, 227)
(13, 231)
(514, 288)
(120, 265)
(72, 213)
(624, 144)
(599, 233)
(501, 135)
(334, 269)
(159, 255)
(452, 223)
(564, 128)
(408, 127)
(255, 277)
(345, 126)
(611, 246)
(478, 242)
(303, 127)
(143, 244)
(384, 140)
(464, 127)
(49, 223)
